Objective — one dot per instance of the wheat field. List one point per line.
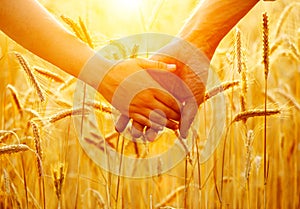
(255, 75)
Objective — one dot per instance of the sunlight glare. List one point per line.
(128, 5)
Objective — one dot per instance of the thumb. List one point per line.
(188, 114)
(156, 65)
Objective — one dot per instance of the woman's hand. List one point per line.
(186, 83)
(129, 88)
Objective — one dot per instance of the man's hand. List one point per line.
(130, 89)
(186, 84)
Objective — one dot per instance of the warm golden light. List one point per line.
(128, 5)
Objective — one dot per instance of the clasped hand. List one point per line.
(164, 91)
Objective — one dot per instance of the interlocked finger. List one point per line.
(136, 129)
(151, 134)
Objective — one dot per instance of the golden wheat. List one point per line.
(266, 44)
(30, 76)
(15, 97)
(74, 26)
(13, 148)
(38, 147)
(65, 113)
(134, 51)
(255, 113)
(266, 52)
(99, 106)
(238, 51)
(249, 150)
(69, 82)
(95, 187)
(283, 16)
(58, 179)
(220, 88)
(289, 97)
(4, 137)
(49, 74)
(88, 38)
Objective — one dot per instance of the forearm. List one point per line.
(29, 24)
(212, 20)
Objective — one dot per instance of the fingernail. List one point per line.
(183, 135)
(171, 66)
(151, 135)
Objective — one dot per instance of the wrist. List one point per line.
(212, 20)
(95, 70)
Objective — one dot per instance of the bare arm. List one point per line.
(198, 40)
(32, 26)
(212, 20)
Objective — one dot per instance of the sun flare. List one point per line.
(127, 5)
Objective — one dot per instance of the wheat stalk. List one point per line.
(238, 50)
(30, 76)
(277, 43)
(170, 197)
(289, 97)
(284, 16)
(68, 83)
(294, 50)
(63, 103)
(49, 74)
(99, 198)
(266, 52)
(298, 37)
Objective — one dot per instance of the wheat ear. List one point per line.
(255, 113)
(49, 74)
(36, 137)
(98, 106)
(30, 76)
(74, 26)
(266, 52)
(88, 38)
(249, 150)
(15, 97)
(65, 113)
(134, 51)
(14, 148)
(220, 88)
(58, 179)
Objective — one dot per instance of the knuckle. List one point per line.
(159, 65)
